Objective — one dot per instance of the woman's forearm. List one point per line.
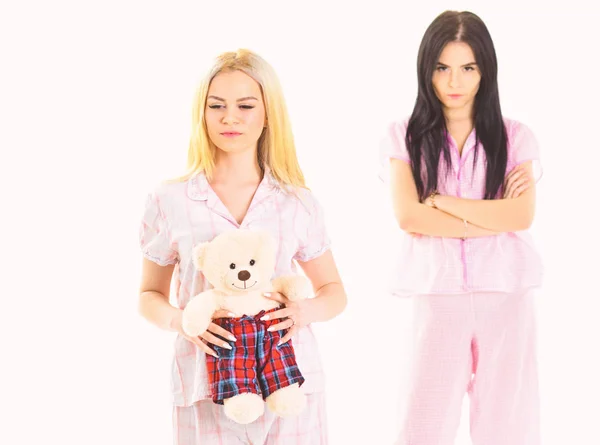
(155, 308)
(328, 303)
(428, 221)
(501, 215)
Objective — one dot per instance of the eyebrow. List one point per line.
(462, 66)
(239, 100)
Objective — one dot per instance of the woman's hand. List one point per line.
(208, 336)
(295, 315)
(516, 182)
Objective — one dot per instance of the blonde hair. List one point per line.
(276, 148)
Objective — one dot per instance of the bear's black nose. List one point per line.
(244, 275)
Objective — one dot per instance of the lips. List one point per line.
(455, 96)
(230, 134)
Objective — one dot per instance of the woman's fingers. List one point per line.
(203, 346)
(285, 324)
(222, 313)
(287, 336)
(281, 313)
(210, 338)
(218, 330)
(276, 296)
(510, 192)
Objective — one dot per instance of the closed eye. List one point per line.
(219, 106)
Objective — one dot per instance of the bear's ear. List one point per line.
(266, 239)
(199, 254)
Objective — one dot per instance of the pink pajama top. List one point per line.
(506, 262)
(179, 215)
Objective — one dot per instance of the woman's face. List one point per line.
(456, 77)
(235, 112)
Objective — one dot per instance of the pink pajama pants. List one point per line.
(482, 344)
(205, 423)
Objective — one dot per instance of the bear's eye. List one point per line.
(232, 266)
(252, 262)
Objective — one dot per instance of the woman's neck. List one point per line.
(459, 123)
(460, 117)
(241, 168)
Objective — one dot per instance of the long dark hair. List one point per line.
(426, 136)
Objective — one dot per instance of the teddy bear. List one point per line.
(239, 264)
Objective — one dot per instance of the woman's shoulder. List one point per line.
(305, 197)
(516, 129)
(398, 126)
(170, 187)
(169, 192)
(522, 145)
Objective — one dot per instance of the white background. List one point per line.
(95, 110)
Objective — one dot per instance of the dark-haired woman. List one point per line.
(462, 179)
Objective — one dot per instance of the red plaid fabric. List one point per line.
(255, 363)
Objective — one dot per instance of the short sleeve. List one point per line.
(154, 238)
(393, 146)
(314, 239)
(524, 147)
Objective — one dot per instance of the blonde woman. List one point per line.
(242, 173)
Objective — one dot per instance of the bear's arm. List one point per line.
(197, 315)
(294, 287)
